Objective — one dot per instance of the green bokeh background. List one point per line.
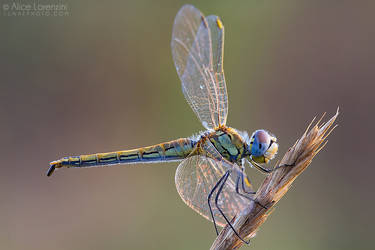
(102, 79)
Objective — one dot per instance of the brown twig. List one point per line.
(276, 185)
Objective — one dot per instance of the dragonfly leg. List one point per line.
(284, 165)
(223, 180)
(240, 177)
(260, 168)
(209, 201)
(266, 170)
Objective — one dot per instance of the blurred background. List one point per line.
(100, 77)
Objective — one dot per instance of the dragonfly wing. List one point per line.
(197, 48)
(195, 178)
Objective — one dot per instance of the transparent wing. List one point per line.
(195, 178)
(197, 175)
(197, 48)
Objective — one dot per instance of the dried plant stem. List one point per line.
(276, 185)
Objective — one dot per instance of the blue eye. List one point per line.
(261, 142)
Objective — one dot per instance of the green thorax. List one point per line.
(228, 143)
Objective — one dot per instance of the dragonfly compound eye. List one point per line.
(261, 142)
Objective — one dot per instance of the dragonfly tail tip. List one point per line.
(51, 169)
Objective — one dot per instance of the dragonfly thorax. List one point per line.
(229, 143)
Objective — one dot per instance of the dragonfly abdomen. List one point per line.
(175, 150)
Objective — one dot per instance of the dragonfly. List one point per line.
(210, 177)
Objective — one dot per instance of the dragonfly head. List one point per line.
(263, 146)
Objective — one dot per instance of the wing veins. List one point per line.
(204, 77)
(197, 47)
